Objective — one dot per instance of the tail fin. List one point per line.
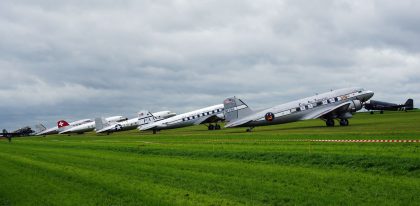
(39, 128)
(235, 108)
(100, 123)
(145, 117)
(409, 104)
(62, 123)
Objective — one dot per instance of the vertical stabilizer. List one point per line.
(235, 109)
(409, 104)
(145, 117)
(39, 128)
(100, 123)
(62, 125)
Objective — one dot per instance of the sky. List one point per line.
(88, 58)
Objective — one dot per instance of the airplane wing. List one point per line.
(327, 110)
(208, 119)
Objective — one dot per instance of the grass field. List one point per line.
(193, 166)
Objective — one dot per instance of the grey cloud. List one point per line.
(82, 59)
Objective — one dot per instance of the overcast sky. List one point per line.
(81, 59)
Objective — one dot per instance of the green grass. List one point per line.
(193, 166)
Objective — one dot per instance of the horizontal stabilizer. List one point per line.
(237, 123)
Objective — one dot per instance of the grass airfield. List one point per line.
(193, 166)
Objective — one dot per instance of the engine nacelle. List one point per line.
(355, 105)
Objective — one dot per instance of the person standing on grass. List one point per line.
(8, 136)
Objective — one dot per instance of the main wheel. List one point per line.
(211, 127)
(344, 122)
(329, 123)
(217, 127)
(381, 112)
(371, 112)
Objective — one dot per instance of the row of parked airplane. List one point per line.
(334, 105)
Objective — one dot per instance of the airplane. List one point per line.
(212, 114)
(105, 127)
(381, 106)
(61, 126)
(24, 131)
(90, 126)
(337, 104)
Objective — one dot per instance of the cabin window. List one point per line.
(298, 109)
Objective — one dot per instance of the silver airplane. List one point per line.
(103, 126)
(61, 126)
(337, 104)
(90, 126)
(212, 114)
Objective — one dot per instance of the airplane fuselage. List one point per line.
(133, 123)
(302, 108)
(90, 126)
(186, 119)
(379, 105)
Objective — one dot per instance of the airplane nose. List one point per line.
(368, 95)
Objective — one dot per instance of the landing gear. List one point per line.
(381, 112)
(249, 129)
(371, 112)
(154, 131)
(214, 127)
(330, 122)
(344, 122)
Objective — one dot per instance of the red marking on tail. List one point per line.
(62, 123)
